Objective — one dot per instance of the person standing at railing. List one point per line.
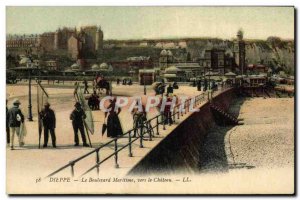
(205, 85)
(77, 117)
(167, 112)
(199, 85)
(139, 118)
(114, 127)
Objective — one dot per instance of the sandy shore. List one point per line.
(260, 150)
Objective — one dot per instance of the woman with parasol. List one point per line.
(114, 128)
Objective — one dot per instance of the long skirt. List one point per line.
(113, 126)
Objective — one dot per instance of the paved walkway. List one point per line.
(30, 162)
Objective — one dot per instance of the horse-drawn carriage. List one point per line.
(101, 83)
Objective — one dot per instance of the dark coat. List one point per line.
(7, 119)
(77, 117)
(48, 118)
(114, 127)
(12, 117)
(169, 90)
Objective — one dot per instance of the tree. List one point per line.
(275, 41)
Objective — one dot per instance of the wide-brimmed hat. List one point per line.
(16, 102)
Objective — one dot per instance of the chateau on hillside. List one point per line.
(83, 43)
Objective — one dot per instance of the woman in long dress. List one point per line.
(114, 128)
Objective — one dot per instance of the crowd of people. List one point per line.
(125, 81)
(204, 85)
(15, 118)
(15, 124)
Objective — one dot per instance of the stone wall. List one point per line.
(180, 150)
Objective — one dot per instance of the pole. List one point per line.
(29, 97)
(209, 73)
(144, 80)
(39, 119)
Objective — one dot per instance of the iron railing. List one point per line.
(159, 120)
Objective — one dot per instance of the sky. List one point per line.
(157, 22)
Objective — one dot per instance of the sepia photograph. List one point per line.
(150, 100)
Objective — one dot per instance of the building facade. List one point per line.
(58, 40)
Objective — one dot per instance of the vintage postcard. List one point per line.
(150, 100)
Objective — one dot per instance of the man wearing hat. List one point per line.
(77, 117)
(15, 118)
(47, 115)
(7, 126)
(170, 89)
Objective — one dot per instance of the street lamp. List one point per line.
(29, 92)
(209, 74)
(209, 87)
(144, 80)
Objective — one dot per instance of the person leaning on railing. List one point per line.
(139, 117)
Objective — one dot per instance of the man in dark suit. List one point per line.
(49, 122)
(170, 89)
(85, 83)
(77, 117)
(7, 126)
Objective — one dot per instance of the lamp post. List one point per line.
(209, 74)
(209, 88)
(144, 80)
(29, 92)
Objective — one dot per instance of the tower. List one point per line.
(239, 51)
(99, 40)
(56, 39)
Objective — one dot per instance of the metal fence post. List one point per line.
(149, 128)
(141, 137)
(163, 121)
(129, 146)
(157, 126)
(116, 153)
(72, 168)
(97, 160)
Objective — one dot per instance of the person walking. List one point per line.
(77, 116)
(15, 118)
(85, 83)
(47, 115)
